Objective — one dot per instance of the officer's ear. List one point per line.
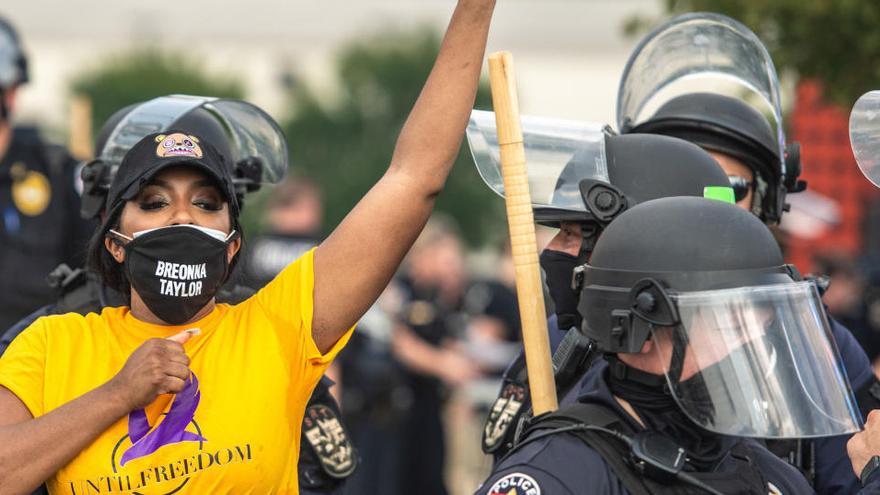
(115, 247)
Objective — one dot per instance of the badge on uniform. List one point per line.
(329, 441)
(516, 484)
(504, 412)
(31, 191)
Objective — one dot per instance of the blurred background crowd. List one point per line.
(418, 377)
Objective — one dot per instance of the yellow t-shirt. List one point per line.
(234, 429)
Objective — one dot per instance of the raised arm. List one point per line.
(357, 260)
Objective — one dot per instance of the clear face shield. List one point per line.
(256, 142)
(559, 154)
(756, 361)
(253, 134)
(701, 52)
(864, 135)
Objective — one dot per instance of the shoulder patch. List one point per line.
(503, 415)
(329, 440)
(516, 484)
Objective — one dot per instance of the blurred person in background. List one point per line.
(294, 216)
(429, 333)
(426, 340)
(40, 226)
(492, 337)
(845, 298)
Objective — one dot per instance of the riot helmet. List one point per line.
(729, 126)
(701, 289)
(584, 173)
(249, 139)
(708, 79)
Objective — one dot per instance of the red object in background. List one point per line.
(830, 169)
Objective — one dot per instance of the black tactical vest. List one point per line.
(745, 478)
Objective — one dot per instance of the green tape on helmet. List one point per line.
(720, 193)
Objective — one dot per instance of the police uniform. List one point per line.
(376, 401)
(564, 464)
(422, 440)
(824, 461)
(726, 409)
(40, 225)
(268, 254)
(327, 456)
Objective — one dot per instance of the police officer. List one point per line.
(294, 218)
(39, 226)
(761, 167)
(581, 202)
(709, 340)
(327, 456)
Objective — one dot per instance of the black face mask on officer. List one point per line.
(178, 269)
(559, 268)
(650, 395)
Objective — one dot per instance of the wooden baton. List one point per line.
(520, 221)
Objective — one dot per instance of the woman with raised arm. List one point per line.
(175, 393)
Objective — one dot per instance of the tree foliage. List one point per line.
(834, 41)
(144, 74)
(346, 143)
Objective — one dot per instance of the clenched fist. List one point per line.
(158, 366)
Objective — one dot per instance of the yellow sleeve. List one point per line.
(288, 299)
(23, 365)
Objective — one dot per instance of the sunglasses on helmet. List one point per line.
(740, 186)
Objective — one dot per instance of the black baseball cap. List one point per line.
(158, 151)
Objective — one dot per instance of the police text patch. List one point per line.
(516, 484)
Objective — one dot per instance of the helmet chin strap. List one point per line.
(589, 236)
(758, 194)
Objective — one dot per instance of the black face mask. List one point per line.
(650, 397)
(559, 268)
(176, 270)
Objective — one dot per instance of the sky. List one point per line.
(568, 53)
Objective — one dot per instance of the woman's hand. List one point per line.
(158, 366)
(31, 450)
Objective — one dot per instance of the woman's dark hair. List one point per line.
(112, 273)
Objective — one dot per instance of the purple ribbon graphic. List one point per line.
(170, 430)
